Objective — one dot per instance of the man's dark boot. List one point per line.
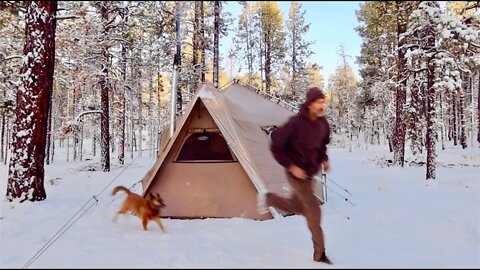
(323, 258)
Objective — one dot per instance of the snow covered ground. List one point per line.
(394, 219)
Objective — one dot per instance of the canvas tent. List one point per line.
(218, 158)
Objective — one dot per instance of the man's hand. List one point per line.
(326, 166)
(297, 172)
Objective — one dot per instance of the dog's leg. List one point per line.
(122, 211)
(116, 216)
(144, 224)
(157, 220)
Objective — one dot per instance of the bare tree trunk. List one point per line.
(105, 91)
(140, 106)
(261, 53)
(442, 128)
(2, 132)
(249, 53)
(112, 130)
(121, 142)
(7, 144)
(454, 112)
(132, 134)
(140, 132)
(196, 41)
(478, 110)
(202, 38)
(401, 95)
(2, 138)
(52, 156)
(68, 148)
(216, 43)
(49, 132)
(178, 58)
(73, 115)
(75, 144)
(94, 140)
(463, 137)
(122, 125)
(430, 115)
(268, 63)
(461, 115)
(390, 144)
(26, 170)
(293, 82)
(159, 101)
(50, 136)
(150, 111)
(80, 146)
(449, 117)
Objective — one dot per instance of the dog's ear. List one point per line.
(150, 196)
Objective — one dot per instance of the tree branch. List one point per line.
(67, 17)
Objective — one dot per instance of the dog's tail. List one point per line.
(118, 188)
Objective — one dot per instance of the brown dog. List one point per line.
(145, 209)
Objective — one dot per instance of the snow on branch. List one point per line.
(12, 57)
(67, 17)
(80, 115)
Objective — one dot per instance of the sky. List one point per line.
(332, 23)
(393, 218)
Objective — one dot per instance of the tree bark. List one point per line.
(454, 112)
(26, 170)
(105, 91)
(478, 110)
(80, 145)
(202, 40)
(132, 134)
(49, 131)
(196, 42)
(449, 117)
(441, 118)
(461, 114)
(177, 58)
(430, 114)
(401, 94)
(7, 144)
(139, 110)
(216, 43)
(94, 140)
(121, 142)
(150, 111)
(160, 114)
(2, 138)
(294, 61)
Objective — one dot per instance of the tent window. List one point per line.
(205, 147)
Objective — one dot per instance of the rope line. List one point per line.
(66, 226)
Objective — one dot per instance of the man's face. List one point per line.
(317, 107)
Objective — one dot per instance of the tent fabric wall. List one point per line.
(221, 189)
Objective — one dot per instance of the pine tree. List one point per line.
(272, 45)
(26, 171)
(431, 37)
(298, 50)
(244, 40)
